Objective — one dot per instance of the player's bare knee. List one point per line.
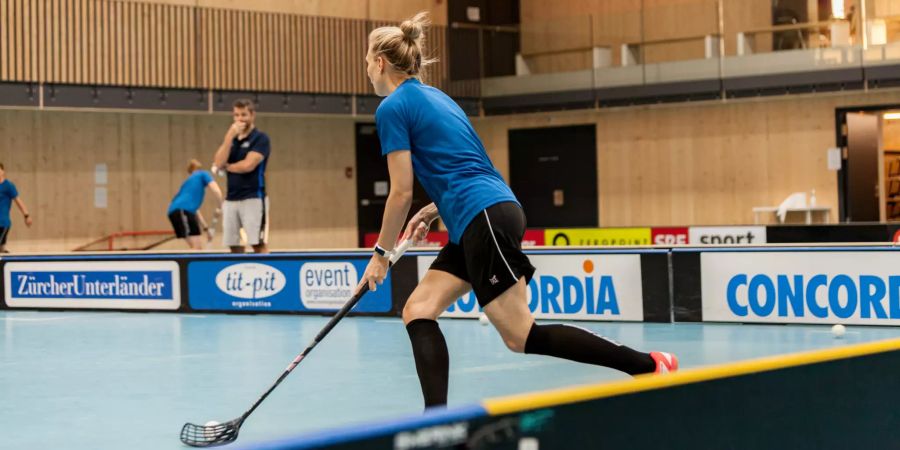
(515, 344)
(510, 338)
(418, 309)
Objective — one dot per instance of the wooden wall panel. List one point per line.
(21, 131)
(882, 8)
(14, 34)
(891, 134)
(574, 24)
(20, 42)
(54, 42)
(313, 202)
(397, 10)
(564, 61)
(229, 36)
(55, 177)
(146, 154)
(740, 15)
(29, 43)
(138, 43)
(308, 63)
(886, 9)
(142, 44)
(668, 19)
(162, 28)
(700, 164)
(116, 42)
(79, 36)
(561, 33)
(391, 10)
(5, 40)
(66, 51)
(665, 165)
(130, 26)
(317, 53)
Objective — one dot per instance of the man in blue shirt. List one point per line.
(9, 195)
(184, 210)
(244, 155)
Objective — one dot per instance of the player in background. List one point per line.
(184, 211)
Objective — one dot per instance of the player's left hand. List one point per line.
(28, 221)
(375, 272)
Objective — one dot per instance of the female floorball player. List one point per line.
(423, 131)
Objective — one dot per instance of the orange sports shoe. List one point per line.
(665, 362)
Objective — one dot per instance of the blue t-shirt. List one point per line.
(190, 196)
(7, 193)
(447, 155)
(242, 186)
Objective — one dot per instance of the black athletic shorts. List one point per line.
(3, 232)
(184, 223)
(489, 255)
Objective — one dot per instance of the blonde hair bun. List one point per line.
(414, 28)
(403, 47)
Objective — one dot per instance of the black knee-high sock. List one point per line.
(432, 360)
(578, 344)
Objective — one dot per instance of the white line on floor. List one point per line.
(41, 319)
(505, 367)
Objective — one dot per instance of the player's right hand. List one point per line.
(375, 272)
(416, 229)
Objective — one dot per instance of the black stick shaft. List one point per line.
(324, 332)
(398, 252)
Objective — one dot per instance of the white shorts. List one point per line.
(252, 215)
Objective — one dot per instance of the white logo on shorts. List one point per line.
(494, 280)
(245, 144)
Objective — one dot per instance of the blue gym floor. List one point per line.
(79, 380)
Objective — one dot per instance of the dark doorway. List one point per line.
(858, 176)
(553, 172)
(862, 167)
(372, 183)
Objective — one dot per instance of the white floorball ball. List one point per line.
(838, 331)
(211, 432)
(483, 319)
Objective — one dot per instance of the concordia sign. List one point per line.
(802, 287)
(579, 287)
